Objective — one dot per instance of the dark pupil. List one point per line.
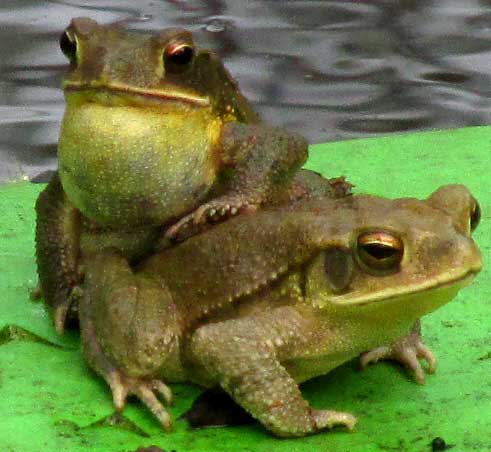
(68, 47)
(379, 251)
(182, 55)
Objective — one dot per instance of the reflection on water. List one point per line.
(328, 69)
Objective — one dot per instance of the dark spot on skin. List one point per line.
(338, 265)
(435, 250)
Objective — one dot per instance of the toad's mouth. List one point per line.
(170, 95)
(430, 287)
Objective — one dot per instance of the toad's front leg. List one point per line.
(130, 332)
(408, 351)
(244, 356)
(257, 164)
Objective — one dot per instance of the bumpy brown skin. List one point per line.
(57, 247)
(62, 232)
(153, 137)
(265, 301)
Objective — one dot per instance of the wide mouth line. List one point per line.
(139, 92)
(465, 278)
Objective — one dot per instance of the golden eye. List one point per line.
(380, 251)
(177, 56)
(68, 46)
(475, 215)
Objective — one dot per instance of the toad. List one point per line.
(265, 301)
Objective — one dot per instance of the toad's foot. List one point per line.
(215, 211)
(329, 419)
(408, 351)
(114, 302)
(122, 385)
(146, 390)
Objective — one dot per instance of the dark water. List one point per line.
(328, 69)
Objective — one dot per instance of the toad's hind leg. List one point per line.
(130, 332)
(243, 356)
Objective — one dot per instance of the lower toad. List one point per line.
(266, 301)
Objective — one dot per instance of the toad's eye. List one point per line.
(475, 215)
(177, 56)
(68, 46)
(380, 251)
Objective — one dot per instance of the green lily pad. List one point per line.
(51, 401)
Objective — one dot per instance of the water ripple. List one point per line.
(328, 69)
